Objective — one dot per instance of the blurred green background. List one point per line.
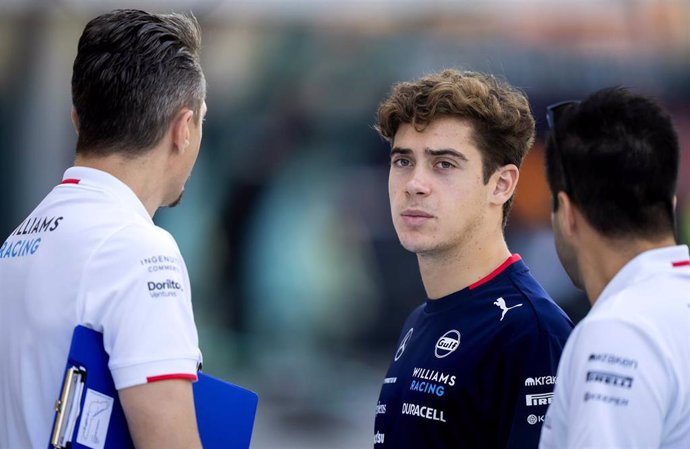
(299, 284)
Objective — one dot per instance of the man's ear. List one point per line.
(566, 214)
(504, 182)
(181, 128)
(75, 119)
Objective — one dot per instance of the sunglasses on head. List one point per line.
(553, 113)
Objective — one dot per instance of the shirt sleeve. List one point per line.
(136, 291)
(618, 390)
(531, 363)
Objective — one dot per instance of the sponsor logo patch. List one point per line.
(158, 263)
(538, 399)
(403, 345)
(447, 344)
(543, 380)
(428, 387)
(534, 419)
(19, 248)
(433, 376)
(423, 411)
(613, 359)
(501, 304)
(613, 400)
(612, 379)
(169, 287)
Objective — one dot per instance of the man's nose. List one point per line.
(419, 182)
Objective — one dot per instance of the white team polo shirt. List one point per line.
(88, 254)
(624, 377)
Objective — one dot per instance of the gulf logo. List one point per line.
(449, 342)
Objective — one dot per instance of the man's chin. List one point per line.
(417, 247)
(177, 201)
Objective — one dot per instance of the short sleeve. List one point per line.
(135, 290)
(618, 387)
(532, 364)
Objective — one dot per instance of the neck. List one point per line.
(140, 173)
(450, 271)
(602, 258)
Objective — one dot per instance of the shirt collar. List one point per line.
(643, 266)
(512, 264)
(94, 178)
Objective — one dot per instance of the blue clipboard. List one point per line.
(88, 414)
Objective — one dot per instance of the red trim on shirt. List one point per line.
(508, 262)
(185, 376)
(681, 263)
(70, 181)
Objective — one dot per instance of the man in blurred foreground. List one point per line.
(624, 379)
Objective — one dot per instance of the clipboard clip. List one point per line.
(67, 407)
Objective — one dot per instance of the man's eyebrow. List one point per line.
(446, 152)
(398, 150)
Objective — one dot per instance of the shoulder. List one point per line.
(537, 313)
(135, 249)
(138, 239)
(662, 294)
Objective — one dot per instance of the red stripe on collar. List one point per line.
(681, 263)
(70, 181)
(508, 262)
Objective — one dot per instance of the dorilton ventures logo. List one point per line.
(169, 287)
(168, 284)
(448, 343)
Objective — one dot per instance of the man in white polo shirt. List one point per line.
(90, 253)
(624, 377)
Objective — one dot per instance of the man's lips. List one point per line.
(415, 217)
(416, 213)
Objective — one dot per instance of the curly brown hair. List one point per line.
(502, 122)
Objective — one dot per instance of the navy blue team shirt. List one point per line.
(474, 369)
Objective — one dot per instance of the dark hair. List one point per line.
(621, 155)
(502, 123)
(133, 72)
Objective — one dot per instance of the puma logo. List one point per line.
(501, 304)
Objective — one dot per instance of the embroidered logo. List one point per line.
(501, 304)
(403, 345)
(448, 343)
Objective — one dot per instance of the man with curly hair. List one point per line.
(475, 364)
